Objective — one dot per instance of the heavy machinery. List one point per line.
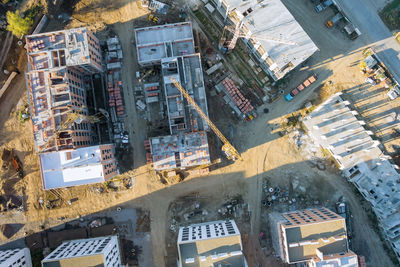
(152, 18)
(73, 117)
(237, 32)
(8, 157)
(228, 148)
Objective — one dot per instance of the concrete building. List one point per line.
(334, 127)
(349, 259)
(274, 38)
(100, 251)
(53, 94)
(163, 41)
(57, 63)
(77, 48)
(179, 151)
(210, 244)
(19, 257)
(172, 46)
(85, 165)
(188, 72)
(315, 237)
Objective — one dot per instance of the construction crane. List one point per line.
(145, 75)
(228, 148)
(73, 117)
(238, 33)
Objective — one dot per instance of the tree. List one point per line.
(18, 25)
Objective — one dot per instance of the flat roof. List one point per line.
(348, 259)
(58, 48)
(288, 43)
(188, 72)
(210, 244)
(303, 239)
(158, 42)
(190, 149)
(71, 167)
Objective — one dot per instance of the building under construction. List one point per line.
(72, 167)
(275, 39)
(172, 46)
(60, 64)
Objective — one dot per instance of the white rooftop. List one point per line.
(272, 20)
(71, 167)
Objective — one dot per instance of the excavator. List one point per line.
(8, 157)
(229, 150)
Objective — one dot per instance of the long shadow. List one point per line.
(313, 185)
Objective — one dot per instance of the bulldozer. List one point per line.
(8, 157)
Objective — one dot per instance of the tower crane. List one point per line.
(238, 33)
(73, 117)
(228, 148)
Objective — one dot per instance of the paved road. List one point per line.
(364, 14)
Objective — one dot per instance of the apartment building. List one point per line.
(19, 257)
(77, 48)
(274, 38)
(72, 167)
(163, 41)
(210, 244)
(101, 251)
(54, 94)
(335, 127)
(172, 46)
(315, 237)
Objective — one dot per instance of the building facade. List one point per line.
(101, 251)
(20, 257)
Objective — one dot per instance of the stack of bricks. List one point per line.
(242, 103)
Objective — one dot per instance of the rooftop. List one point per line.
(281, 37)
(348, 259)
(71, 167)
(210, 244)
(49, 100)
(187, 70)
(314, 229)
(57, 49)
(180, 151)
(162, 41)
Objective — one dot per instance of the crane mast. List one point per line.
(228, 148)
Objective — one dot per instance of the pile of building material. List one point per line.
(152, 92)
(235, 99)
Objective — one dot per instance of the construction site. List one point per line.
(175, 112)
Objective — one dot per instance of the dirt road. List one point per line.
(265, 152)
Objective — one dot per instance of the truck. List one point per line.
(310, 80)
(351, 31)
(323, 5)
(330, 22)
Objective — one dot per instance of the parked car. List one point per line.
(323, 5)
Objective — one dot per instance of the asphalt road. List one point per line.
(364, 14)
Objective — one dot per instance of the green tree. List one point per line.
(17, 24)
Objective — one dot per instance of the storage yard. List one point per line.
(167, 160)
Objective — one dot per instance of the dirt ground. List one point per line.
(265, 152)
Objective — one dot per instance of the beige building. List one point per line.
(316, 236)
(210, 244)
